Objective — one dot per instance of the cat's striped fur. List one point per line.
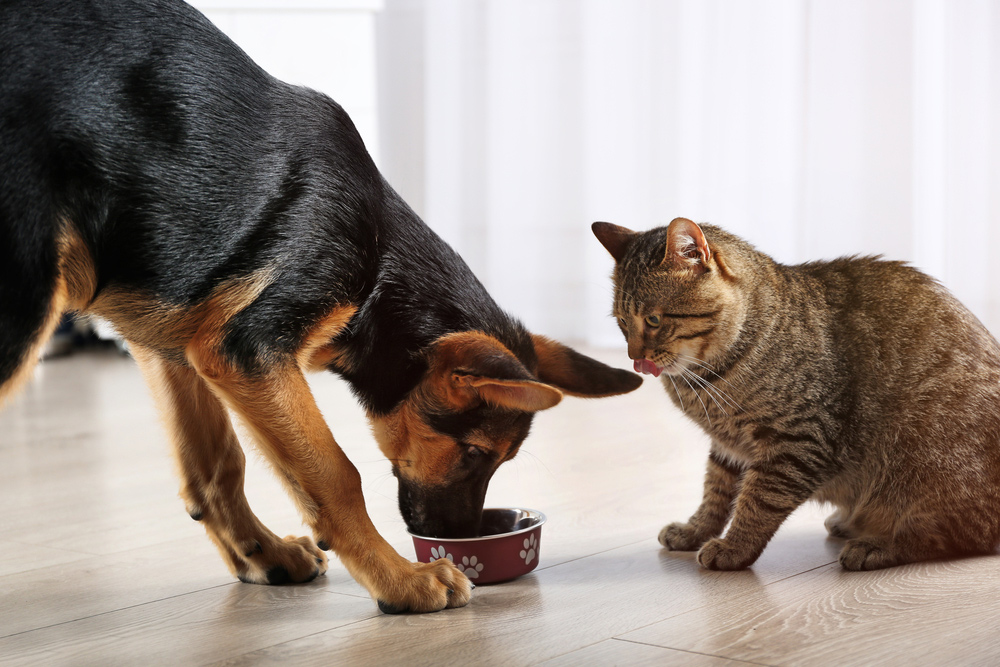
(857, 382)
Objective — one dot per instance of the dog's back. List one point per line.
(120, 150)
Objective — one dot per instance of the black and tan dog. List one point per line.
(235, 231)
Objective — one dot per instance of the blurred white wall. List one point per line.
(813, 128)
(326, 45)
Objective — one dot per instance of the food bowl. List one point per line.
(508, 548)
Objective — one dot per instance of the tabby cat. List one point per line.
(856, 382)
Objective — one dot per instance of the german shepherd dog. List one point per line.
(236, 233)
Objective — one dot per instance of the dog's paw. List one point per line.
(719, 554)
(426, 587)
(292, 560)
(866, 554)
(681, 537)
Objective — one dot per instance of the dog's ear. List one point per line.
(470, 366)
(615, 239)
(579, 375)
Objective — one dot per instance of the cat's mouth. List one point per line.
(647, 367)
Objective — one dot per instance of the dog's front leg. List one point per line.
(278, 406)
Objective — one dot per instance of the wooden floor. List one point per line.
(100, 565)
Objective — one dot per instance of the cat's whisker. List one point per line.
(727, 397)
(708, 389)
(711, 390)
(676, 392)
(688, 357)
(720, 391)
(711, 386)
(698, 396)
(707, 367)
(717, 391)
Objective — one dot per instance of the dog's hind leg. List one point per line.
(24, 330)
(43, 273)
(212, 465)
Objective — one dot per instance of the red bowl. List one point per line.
(509, 546)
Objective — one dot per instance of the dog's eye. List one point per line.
(472, 452)
(653, 320)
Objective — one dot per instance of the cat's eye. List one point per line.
(653, 320)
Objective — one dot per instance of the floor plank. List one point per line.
(191, 629)
(16, 558)
(615, 653)
(937, 613)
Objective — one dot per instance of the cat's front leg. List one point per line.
(770, 490)
(721, 481)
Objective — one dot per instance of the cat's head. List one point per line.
(677, 296)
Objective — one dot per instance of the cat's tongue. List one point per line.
(646, 366)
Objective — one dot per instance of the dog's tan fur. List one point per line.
(74, 288)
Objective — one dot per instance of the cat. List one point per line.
(858, 382)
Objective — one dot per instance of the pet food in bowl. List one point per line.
(508, 547)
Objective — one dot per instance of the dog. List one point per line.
(236, 233)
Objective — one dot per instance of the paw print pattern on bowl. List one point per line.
(471, 566)
(528, 552)
(440, 552)
(509, 547)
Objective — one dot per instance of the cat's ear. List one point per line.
(471, 366)
(614, 238)
(686, 246)
(579, 375)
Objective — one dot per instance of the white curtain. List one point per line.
(814, 129)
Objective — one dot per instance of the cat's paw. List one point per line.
(867, 553)
(719, 554)
(680, 537)
(836, 525)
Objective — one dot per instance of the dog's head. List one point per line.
(469, 414)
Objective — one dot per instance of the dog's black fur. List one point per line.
(180, 175)
(182, 166)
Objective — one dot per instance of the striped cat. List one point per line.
(856, 382)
